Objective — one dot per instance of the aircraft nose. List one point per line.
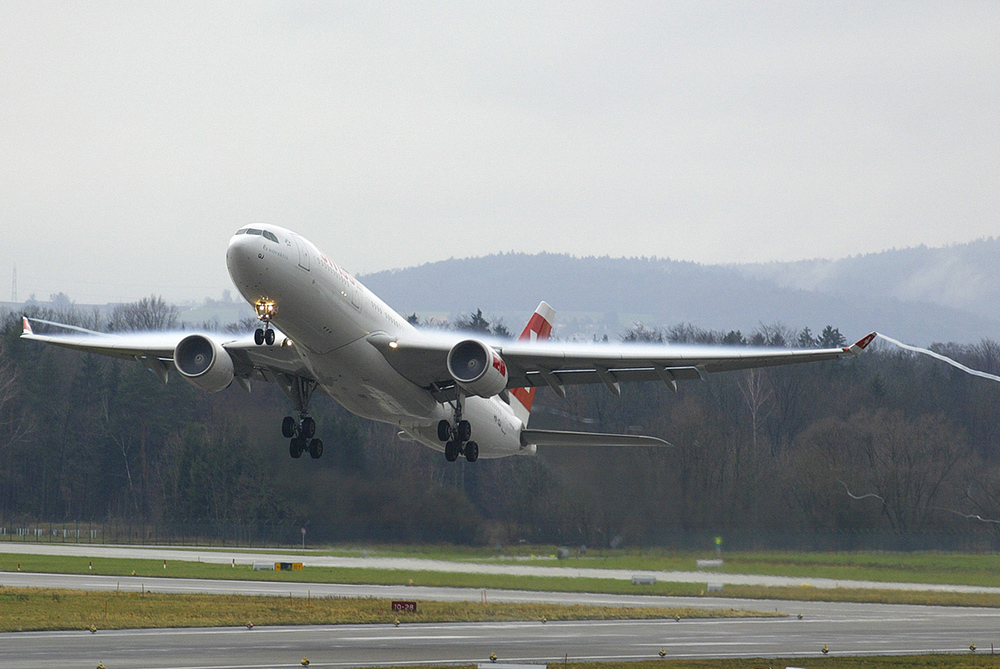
(240, 242)
(240, 249)
(244, 259)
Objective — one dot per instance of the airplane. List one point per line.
(322, 330)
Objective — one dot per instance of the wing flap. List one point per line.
(625, 362)
(571, 377)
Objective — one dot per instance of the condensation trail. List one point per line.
(953, 363)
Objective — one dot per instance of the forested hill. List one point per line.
(962, 276)
(919, 295)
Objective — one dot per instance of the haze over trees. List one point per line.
(886, 449)
(920, 295)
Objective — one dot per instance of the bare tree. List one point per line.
(912, 466)
(124, 444)
(15, 422)
(643, 333)
(757, 394)
(149, 313)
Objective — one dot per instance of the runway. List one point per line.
(875, 630)
(845, 628)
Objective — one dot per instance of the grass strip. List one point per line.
(33, 609)
(933, 567)
(977, 660)
(929, 567)
(937, 567)
(940, 661)
(183, 569)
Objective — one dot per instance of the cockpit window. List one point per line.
(270, 235)
(254, 231)
(241, 231)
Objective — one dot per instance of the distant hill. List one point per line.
(919, 295)
(962, 276)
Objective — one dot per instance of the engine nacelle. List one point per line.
(204, 363)
(477, 368)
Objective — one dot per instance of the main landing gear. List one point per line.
(457, 436)
(301, 436)
(266, 309)
(302, 433)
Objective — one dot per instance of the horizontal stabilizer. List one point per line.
(562, 438)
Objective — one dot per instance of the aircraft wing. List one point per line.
(423, 360)
(538, 365)
(156, 349)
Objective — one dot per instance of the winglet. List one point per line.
(862, 344)
(26, 326)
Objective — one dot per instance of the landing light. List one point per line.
(265, 308)
(393, 344)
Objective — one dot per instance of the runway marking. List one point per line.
(441, 637)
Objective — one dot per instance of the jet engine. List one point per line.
(477, 368)
(204, 363)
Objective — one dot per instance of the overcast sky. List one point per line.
(135, 138)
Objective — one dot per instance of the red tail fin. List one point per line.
(538, 329)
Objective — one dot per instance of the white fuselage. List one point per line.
(328, 315)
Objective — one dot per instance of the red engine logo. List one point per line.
(499, 365)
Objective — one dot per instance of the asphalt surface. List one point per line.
(845, 628)
(856, 630)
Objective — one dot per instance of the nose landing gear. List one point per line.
(266, 309)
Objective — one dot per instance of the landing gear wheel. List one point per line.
(444, 430)
(472, 451)
(269, 337)
(258, 336)
(296, 446)
(307, 427)
(315, 448)
(464, 430)
(451, 451)
(288, 427)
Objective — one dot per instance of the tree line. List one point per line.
(886, 444)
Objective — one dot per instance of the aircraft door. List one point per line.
(300, 244)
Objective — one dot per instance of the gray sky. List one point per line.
(135, 138)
